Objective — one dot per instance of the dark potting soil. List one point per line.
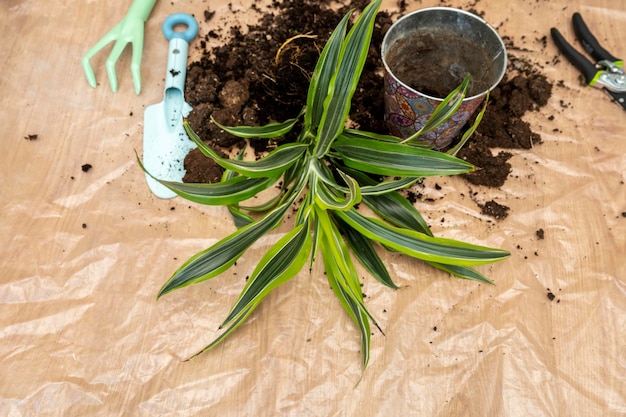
(435, 63)
(261, 73)
(494, 209)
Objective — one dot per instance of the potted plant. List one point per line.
(325, 174)
(426, 54)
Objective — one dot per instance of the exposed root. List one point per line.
(288, 41)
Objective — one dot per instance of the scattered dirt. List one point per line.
(495, 210)
(251, 80)
(503, 127)
(551, 296)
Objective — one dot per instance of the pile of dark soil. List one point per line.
(251, 80)
(503, 127)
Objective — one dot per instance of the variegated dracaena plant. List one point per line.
(325, 173)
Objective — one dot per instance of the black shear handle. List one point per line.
(583, 64)
(589, 42)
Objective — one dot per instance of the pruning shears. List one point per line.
(608, 71)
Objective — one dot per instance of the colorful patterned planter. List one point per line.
(406, 109)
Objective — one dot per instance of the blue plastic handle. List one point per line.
(178, 18)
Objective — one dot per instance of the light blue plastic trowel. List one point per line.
(165, 142)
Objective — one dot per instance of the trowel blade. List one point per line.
(165, 145)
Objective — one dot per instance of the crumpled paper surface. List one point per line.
(83, 253)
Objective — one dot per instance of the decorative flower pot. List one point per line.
(426, 55)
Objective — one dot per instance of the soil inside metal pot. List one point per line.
(435, 63)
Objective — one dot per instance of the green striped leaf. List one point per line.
(444, 110)
(364, 251)
(422, 246)
(469, 132)
(223, 254)
(360, 134)
(324, 69)
(350, 306)
(236, 323)
(387, 187)
(240, 218)
(231, 191)
(344, 281)
(373, 187)
(396, 159)
(316, 236)
(268, 131)
(281, 263)
(336, 246)
(391, 207)
(275, 163)
(344, 81)
(326, 190)
(462, 272)
(328, 200)
(265, 206)
(225, 193)
(397, 210)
